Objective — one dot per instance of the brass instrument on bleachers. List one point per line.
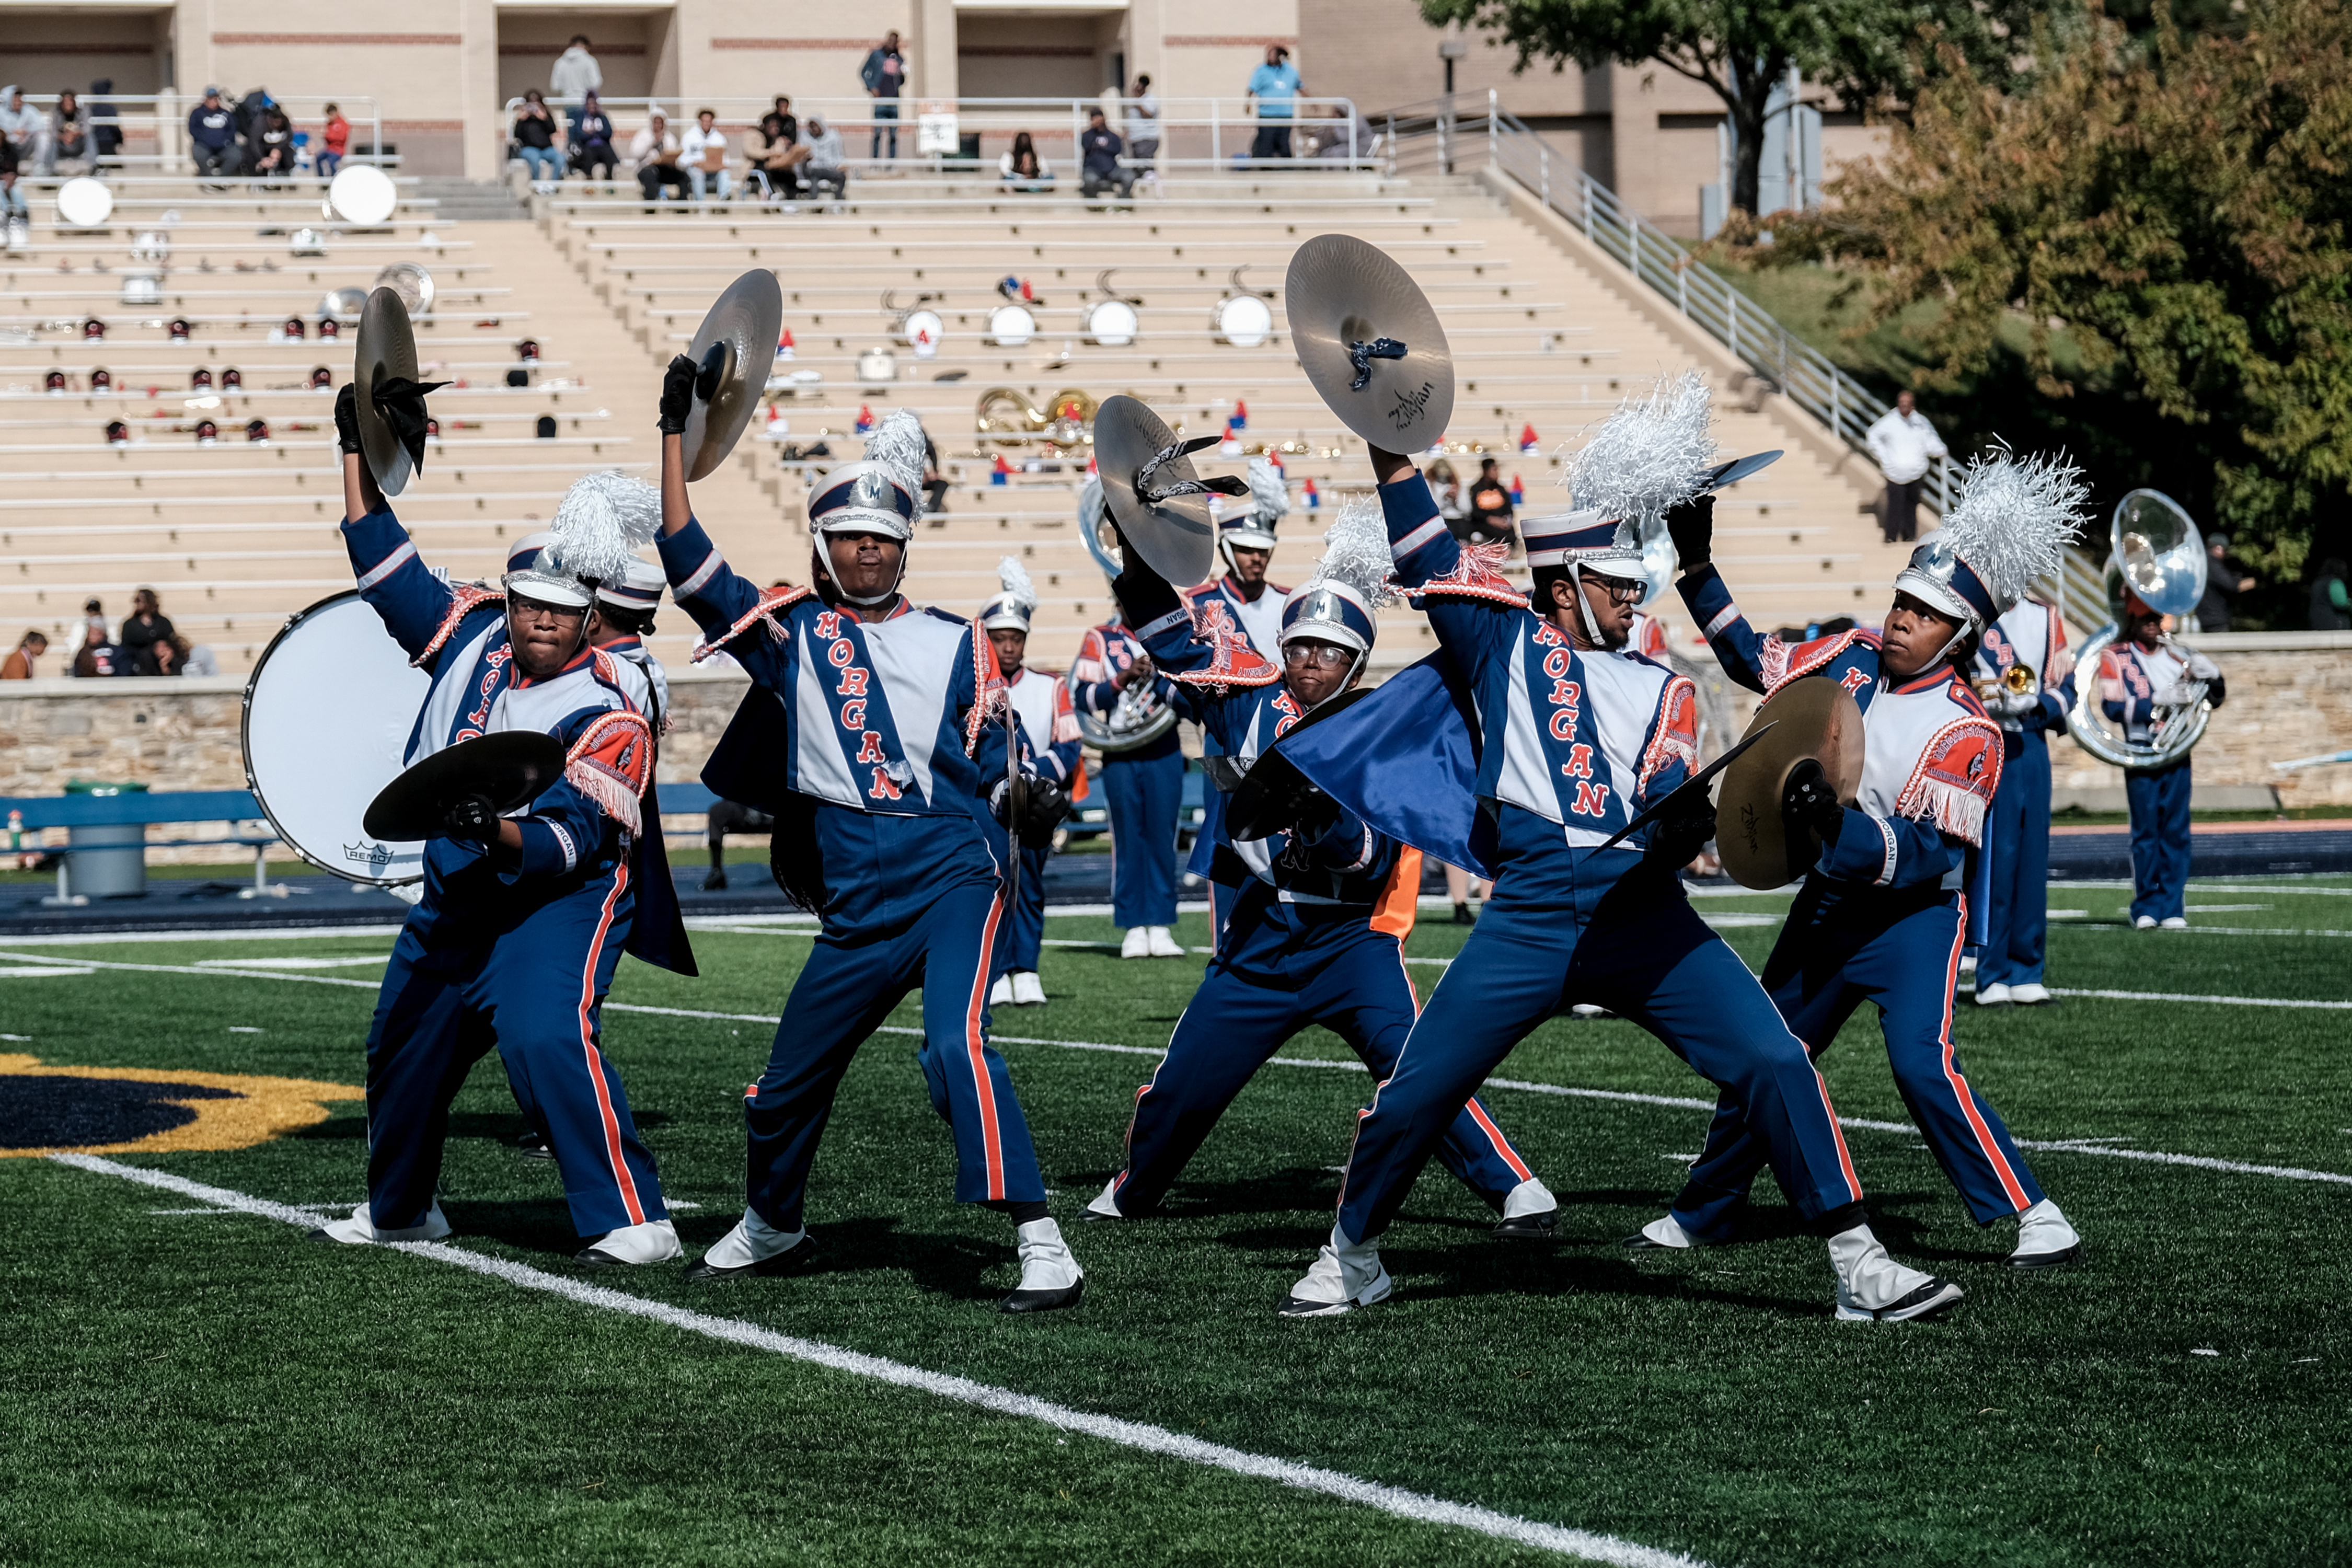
(1067, 420)
(2159, 559)
(412, 283)
(2017, 681)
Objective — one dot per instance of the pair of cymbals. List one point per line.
(1369, 341)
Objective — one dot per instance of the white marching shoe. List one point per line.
(1529, 1214)
(2174, 922)
(2031, 993)
(752, 1245)
(1345, 1276)
(1994, 995)
(1028, 991)
(1137, 945)
(1001, 993)
(1105, 1203)
(2144, 923)
(2044, 1239)
(361, 1228)
(1663, 1234)
(1164, 943)
(655, 1241)
(1874, 1288)
(1050, 1278)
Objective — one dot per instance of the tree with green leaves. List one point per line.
(1863, 53)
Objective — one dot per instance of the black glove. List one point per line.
(1809, 802)
(470, 818)
(1318, 814)
(347, 418)
(1047, 805)
(678, 394)
(1692, 527)
(1675, 841)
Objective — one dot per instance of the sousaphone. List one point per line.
(1368, 340)
(1160, 504)
(1814, 718)
(735, 349)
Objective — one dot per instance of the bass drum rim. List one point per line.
(2090, 729)
(245, 749)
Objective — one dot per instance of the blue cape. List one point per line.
(1405, 759)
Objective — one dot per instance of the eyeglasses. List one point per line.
(528, 608)
(1322, 654)
(1620, 591)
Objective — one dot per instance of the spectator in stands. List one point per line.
(1143, 129)
(1344, 137)
(105, 124)
(576, 74)
(2331, 602)
(1905, 444)
(772, 151)
(1486, 520)
(703, 150)
(1021, 170)
(22, 125)
(1446, 486)
(1099, 148)
(147, 635)
(883, 74)
(1274, 93)
(194, 658)
(93, 614)
(935, 483)
(273, 145)
(536, 140)
(247, 113)
(22, 664)
(212, 136)
(824, 170)
(2223, 582)
(592, 140)
(70, 147)
(13, 211)
(335, 142)
(653, 158)
(99, 655)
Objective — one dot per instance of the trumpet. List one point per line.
(2017, 681)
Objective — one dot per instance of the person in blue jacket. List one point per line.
(1883, 916)
(524, 916)
(1315, 917)
(2025, 646)
(873, 733)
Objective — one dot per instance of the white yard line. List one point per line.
(2075, 1146)
(44, 970)
(1417, 1505)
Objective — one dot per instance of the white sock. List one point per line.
(1531, 1196)
(753, 1240)
(1045, 1260)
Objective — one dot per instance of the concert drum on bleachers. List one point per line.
(327, 719)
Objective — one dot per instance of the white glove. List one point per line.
(2009, 704)
(2174, 696)
(2202, 668)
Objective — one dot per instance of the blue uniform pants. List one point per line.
(1636, 948)
(1022, 935)
(852, 981)
(1835, 954)
(1145, 796)
(1278, 971)
(535, 988)
(2017, 849)
(2159, 840)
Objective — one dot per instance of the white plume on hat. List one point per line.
(898, 444)
(1356, 554)
(2014, 518)
(1654, 452)
(1012, 579)
(604, 521)
(1269, 491)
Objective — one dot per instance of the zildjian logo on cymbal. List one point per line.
(1409, 405)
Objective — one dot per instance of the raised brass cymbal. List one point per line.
(1815, 717)
(1172, 532)
(1368, 340)
(736, 347)
(386, 353)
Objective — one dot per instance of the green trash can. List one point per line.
(106, 862)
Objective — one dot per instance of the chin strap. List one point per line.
(1591, 626)
(824, 564)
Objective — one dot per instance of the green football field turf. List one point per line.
(188, 1384)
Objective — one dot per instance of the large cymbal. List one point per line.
(1368, 340)
(1815, 717)
(387, 354)
(511, 767)
(736, 347)
(1166, 520)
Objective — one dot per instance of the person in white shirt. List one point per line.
(703, 150)
(655, 157)
(576, 72)
(1904, 444)
(1143, 128)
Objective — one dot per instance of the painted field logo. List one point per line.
(46, 1109)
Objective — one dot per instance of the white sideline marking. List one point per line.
(293, 962)
(45, 969)
(2075, 1146)
(1396, 1500)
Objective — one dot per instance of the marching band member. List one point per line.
(2139, 672)
(1577, 738)
(523, 917)
(2028, 637)
(619, 623)
(1144, 784)
(1050, 730)
(1316, 916)
(871, 737)
(1245, 538)
(1882, 917)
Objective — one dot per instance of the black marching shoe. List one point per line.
(715, 880)
(1543, 1226)
(745, 1250)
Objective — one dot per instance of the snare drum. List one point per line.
(327, 719)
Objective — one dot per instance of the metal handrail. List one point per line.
(157, 124)
(1433, 136)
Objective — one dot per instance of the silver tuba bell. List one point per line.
(1138, 717)
(2159, 558)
